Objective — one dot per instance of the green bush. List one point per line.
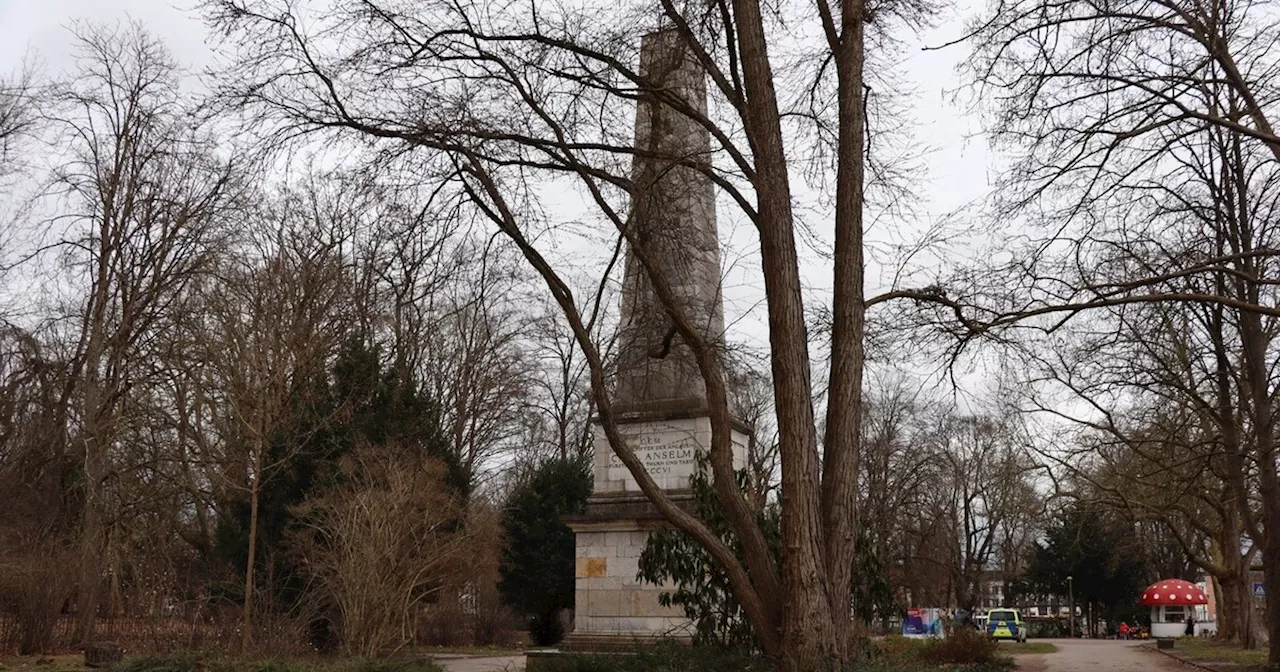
(537, 568)
(665, 657)
(963, 654)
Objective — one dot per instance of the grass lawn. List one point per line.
(1016, 648)
(59, 663)
(1210, 651)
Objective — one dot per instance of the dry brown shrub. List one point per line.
(495, 624)
(444, 623)
(37, 575)
(391, 539)
(491, 623)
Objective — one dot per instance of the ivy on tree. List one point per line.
(702, 586)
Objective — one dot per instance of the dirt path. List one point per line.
(1097, 655)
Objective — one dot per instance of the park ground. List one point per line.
(1056, 655)
(1052, 655)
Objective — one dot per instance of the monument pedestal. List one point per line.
(613, 609)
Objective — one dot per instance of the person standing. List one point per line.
(1124, 630)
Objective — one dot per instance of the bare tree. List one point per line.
(17, 113)
(1171, 452)
(990, 493)
(37, 567)
(1145, 143)
(274, 321)
(899, 482)
(143, 192)
(751, 398)
(473, 360)
(559, 411)
(1179, 261)
(547, 94)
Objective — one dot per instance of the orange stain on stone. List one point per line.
(597, 566)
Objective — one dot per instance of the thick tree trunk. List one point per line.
(841, 449)
(1235, 619)
(810, 636)
(96, 438)
(1245, 615)
(1228, 604)
(1256, 344)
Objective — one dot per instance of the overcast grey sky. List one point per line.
(958, 160)
(958, 164)
(41, 26)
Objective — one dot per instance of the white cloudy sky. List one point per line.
(958, 160)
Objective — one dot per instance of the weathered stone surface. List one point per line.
(674, 226)
(660, 402)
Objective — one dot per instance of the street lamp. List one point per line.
(1071, 601)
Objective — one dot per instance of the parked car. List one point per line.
(1006, 624)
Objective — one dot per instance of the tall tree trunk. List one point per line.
(1235, 616)
(246, 617)
(809, 634)
(91, 522)
(96, 438)
(1256, 344)
(1228, 604)
(1222, 606)
(841, 448)
(1246, 623)
(1228, 567)
(1270, 559)
(90, 545)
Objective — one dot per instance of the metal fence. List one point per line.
(134, 634)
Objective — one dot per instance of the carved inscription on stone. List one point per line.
(666, 448)
(662, 455)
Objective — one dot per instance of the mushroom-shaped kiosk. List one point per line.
(1171, 602)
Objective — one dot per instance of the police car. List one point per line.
(1006, 624)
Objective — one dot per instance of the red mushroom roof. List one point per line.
(1173, 592)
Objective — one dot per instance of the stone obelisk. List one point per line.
(660, 401)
